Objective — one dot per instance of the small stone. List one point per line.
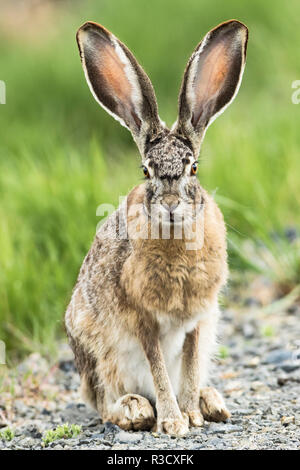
(278, 356)
(258, 386)
(243, 412)
(124, 436)
(104, 443)
(58, 447)
(290, 366)
(286, 420)
(268, 411)
(110, 427)
(119, 447)
(32, 431)
(85, 441)
(66, 365)
(98, 435)
(27, 443)
(233, 386)
(283, 380)
(73, 441)
(94, 422)
(216, 442)
(224, 428)
(253, 362)
(248, 330)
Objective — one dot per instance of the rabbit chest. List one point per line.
(178, 284)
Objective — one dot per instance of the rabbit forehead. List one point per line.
(168, 157)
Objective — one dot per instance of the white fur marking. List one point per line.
(134, 366)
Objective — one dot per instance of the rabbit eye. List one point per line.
(194, 168)
(146, 172)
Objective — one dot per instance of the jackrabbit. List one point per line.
(143, 315)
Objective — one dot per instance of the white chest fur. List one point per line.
(133, 363)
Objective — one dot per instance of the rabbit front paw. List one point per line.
(194, 417)
(212, 405)
(177, 427)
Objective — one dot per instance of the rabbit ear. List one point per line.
(211, 79)
(118, 82)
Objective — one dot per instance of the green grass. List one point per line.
(65, 431)
(223, 352)
(7, 434)
(268, 331)
(61, 155)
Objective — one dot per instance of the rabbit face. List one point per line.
(173, 193)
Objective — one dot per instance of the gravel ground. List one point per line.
(258, 373)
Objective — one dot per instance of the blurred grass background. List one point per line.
(61, 155)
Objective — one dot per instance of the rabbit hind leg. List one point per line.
(91, 390)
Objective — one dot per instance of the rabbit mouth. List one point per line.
(173, 218)
(162, 217)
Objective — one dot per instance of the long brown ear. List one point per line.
(211, 79)
(118, 82)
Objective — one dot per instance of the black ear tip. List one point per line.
(233, 26)
(92, 27)
(238, 25)
(233, 29)
(84, 27)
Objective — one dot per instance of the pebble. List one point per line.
(278, 356)
(216, 443)
(290, 366)
(259, 386)
(124, 436)
(27, 442)
(243, 412)
(253, 362)
(248, 330)
(286, 420)
(224, 428)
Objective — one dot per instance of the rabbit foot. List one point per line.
(194, 417)
(132, 412)
(212, 405)
(174, 426)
